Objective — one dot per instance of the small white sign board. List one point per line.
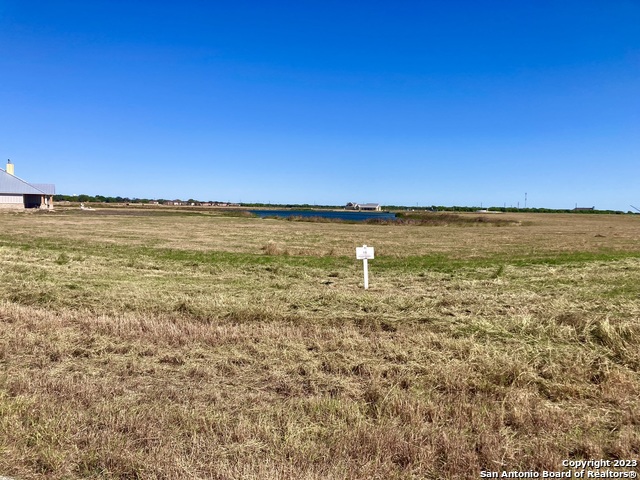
(364, 252)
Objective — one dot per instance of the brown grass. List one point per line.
(531, 234)
(210, 353)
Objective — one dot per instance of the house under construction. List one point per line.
(18, 194)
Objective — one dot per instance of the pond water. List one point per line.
(357, 216)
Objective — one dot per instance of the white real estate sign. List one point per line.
(365, 254)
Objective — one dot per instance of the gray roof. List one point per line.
(12, 185)
(47, 188)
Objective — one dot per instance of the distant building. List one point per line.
(362, 206)
(584, 209)
(370, 206)
(17, 194)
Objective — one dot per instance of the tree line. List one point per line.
(433, 208)
(104, 199)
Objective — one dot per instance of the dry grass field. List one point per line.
(158, 344)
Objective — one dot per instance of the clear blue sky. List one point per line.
(430, 102)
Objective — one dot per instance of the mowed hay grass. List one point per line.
(205, 346)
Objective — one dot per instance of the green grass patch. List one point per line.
(437, 262)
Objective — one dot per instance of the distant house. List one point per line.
(370, 206)
(362, 206)
(584, 209)
(17, 194)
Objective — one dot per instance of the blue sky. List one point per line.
(432, 102)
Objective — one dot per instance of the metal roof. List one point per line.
(12, 185)
(46, 188)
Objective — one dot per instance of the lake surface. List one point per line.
(357, 216)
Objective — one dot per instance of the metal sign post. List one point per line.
(365, 253)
